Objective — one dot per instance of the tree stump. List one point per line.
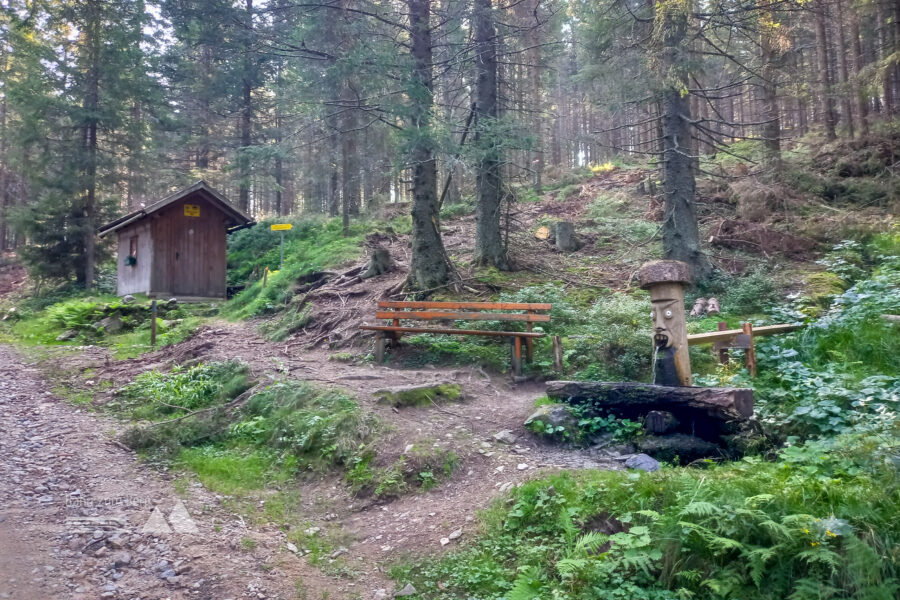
(566, 240)
(380, 262)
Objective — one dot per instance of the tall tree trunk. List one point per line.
(428, 264)
(89, 143)
(681, 236)
(843, 70)
(488, 239)
(862, 104)
(246, 120)
(823, 78)
(771, 129)
(4, 169)
(350, 183)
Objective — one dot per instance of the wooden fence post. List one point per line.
(751, 350)
(153, 323)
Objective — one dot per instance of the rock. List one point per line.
(642, 462)
(292, 548)
(338, 552)
(65, 336)
(172, 302)
(679, 446)
(522, 466)
(409, 590)
(121, 559)
(555, 415)
(419, 395)
(127, 299)
(445, 541)
(111, 324)
(167, 574)
(380, 594)
(455, 535)
(312, 531)
(505, 437)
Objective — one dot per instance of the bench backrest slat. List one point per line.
(466, 305)
(424, 315)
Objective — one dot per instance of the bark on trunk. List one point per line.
(489, 250)
(428, 263)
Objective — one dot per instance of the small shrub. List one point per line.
(154, 394)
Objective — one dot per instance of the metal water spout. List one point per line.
(666, 280)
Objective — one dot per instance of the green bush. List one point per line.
(153, 394)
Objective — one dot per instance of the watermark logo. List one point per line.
(179, 520)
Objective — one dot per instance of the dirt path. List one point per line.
(76, 515)
(64, 480)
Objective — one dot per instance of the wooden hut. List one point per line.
(176, 246)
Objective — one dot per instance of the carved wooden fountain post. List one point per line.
(666, 280)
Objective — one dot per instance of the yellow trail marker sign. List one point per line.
(282, 227)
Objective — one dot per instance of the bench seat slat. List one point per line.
(523, 334)
(467, 305)
(423, 315)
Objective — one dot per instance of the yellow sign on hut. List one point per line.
(282, 227)
(192, 210)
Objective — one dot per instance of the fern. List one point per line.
(528, 585)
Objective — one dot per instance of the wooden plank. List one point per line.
(712, 337)
(461, 316)
(521, 334)
(467, 305)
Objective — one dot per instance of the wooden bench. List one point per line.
(461, 311)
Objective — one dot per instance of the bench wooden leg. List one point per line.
(379, 347)
(517, 355)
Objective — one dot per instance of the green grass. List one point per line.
(311, 246)
(234, 470)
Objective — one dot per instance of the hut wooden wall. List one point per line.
(189, 252)
(134, 279)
